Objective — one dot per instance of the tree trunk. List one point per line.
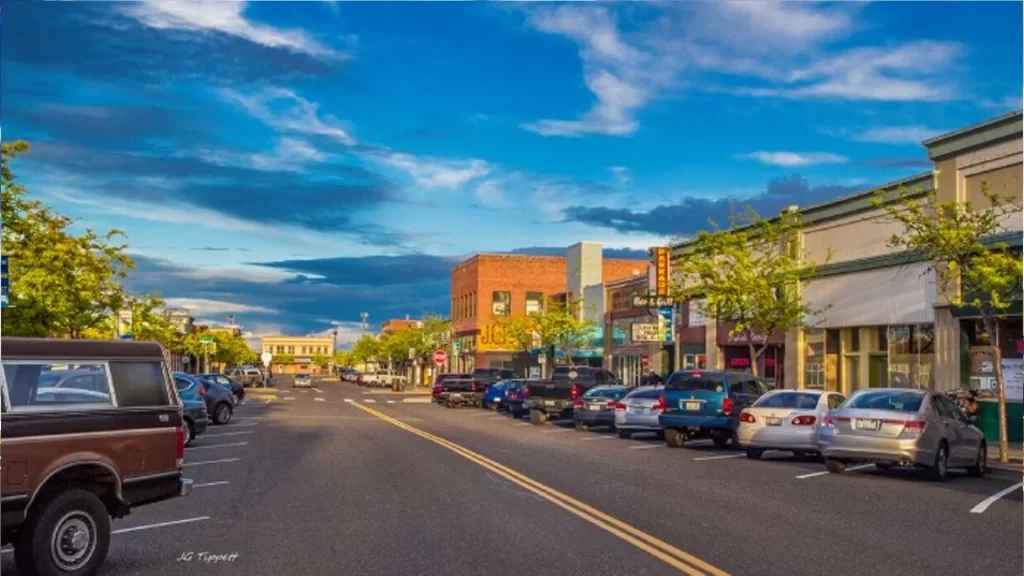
(992, 326)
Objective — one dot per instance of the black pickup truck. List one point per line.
(470, 391)
(553, 399)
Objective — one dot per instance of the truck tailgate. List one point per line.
(550, 390)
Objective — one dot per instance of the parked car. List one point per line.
(194, 414)
(382, 378)
(515, 398)
(217, 398)
(236, 387)
(349, 375)
(88, 379)
(457, 392)
(435, 391)
(700, 404)
(597, 407)
(494, 396)
(902, 427)
(248, 376)
(786, 420)
(638, 411)
(56, 436)
(302, 380)
(551, 399)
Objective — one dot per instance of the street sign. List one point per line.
(266, 357)
(573, 374)
(542, 358)
(412, 353)
(645, 332)
(455, 347)
(440, 357)
(206, 340)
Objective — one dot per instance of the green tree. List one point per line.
(321, 360)
(62, 285)
(561, 327)
(343, 359)
(283, 359)
(750, 275)
(955, 238)
(518, 330)
(366, 350)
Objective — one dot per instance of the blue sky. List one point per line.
(295, 164)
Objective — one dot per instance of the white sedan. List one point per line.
(787, 420)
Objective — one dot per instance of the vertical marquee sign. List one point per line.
(662, 256)
(4, 283)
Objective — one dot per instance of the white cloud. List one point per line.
(790, 159)
(347, 333)
(435, 173)
(621, 174)
(490, 194)
(289, 155)
(225, 18)
(286, 111)
(200, 306)
(897, 134)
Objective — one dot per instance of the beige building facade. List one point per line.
(302, 349)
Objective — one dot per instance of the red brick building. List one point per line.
(489, 287)
(392, 326)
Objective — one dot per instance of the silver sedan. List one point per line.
(637, 412)
(902, 427)
(786, 420)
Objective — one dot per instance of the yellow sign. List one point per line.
(661, 271)
(492, 339)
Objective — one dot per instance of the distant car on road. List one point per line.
(349, 375)
(555, 398)
(785, 420)
(902, 427)
(247, 375)
(382, 378)
(302, 380)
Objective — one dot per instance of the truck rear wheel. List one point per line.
(538, 418)
(67, 535)
(674, 438)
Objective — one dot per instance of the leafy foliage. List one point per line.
(366, 350)
(969, 271)
(283, 359)
(62, 285)
(749, 275)
(557, 327)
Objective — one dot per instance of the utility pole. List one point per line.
(363, 325)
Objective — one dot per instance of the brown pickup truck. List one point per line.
(91, 430)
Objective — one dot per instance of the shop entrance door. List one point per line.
(878, 371)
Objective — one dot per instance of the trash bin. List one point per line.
(988, 420)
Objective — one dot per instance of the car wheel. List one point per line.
(222, 414)
(538, 418)
(625, 434)
(190, 433)
(674, 438)
(754, 453)
(581, 427)
(980, 467)
(835, 466)
(660, 434)
(940, 469)
(70, 535)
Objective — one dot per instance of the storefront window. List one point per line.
(534, 302)
(911, 355)
(814, 359)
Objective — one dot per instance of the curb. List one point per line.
(259, 391)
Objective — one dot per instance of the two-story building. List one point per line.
(301, 350)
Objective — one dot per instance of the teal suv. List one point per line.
(702, 404)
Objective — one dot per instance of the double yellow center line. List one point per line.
(685, 563)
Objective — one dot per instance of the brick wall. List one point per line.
(518, 275)
(612, 270)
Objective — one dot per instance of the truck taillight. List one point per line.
(575, 391)
(617, 405)
(804, 420)
(180, 455)
(578, 403)
(526, 393)
(727, 406)
(747, 417)
(660, 405)
(201, 389)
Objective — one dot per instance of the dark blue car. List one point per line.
(701, 404)
(219, 400)
(494, 396)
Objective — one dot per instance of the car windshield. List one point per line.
(605, 392)
(898, 400)
(302, 375)
(696, 381)
(793, 400)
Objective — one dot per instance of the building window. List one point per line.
(854, 345)
(501, 303)
(280, 349)
(911, 355)
(814, 359)
(534, 302)
(291, 349)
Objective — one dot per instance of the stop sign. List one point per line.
(440, 357)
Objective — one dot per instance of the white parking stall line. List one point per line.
(824, 472)
(722, 457)
(219, 434)
(651, 447)
(370, 401)
(318, 399)
(9, 550)
(204, 463)
(289, 397)
(212, 446)
(597, 438)
(555, 430)
(391, 401)
(524, 424)
(210, 484)
(993, 498)
(349, 400)
(247, 424)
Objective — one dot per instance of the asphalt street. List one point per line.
(335, 481)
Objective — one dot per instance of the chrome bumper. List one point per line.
(186, 487)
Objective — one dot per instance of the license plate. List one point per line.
(693, 405)
(549, 402)
(774, 421)
(638, 410)
(455, 396)
(867, 424)
(597, 407)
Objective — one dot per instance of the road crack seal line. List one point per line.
(656, 547)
